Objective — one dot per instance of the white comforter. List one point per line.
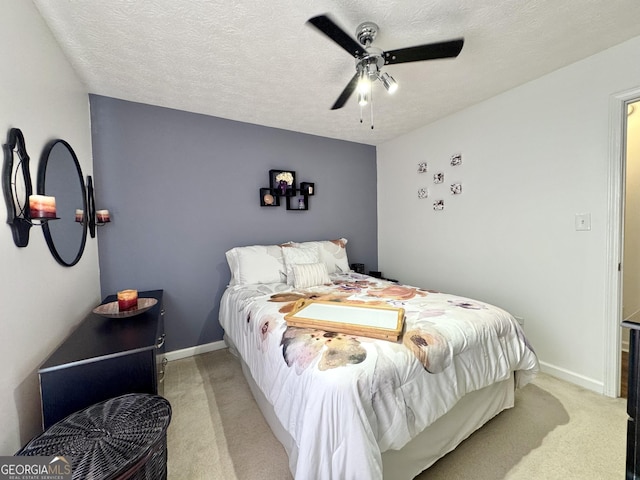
(346, 399)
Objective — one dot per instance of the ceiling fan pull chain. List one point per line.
(372, 107)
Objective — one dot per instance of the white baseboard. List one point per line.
(197, 350)
(572, 377)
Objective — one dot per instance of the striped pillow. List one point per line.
(310, 275)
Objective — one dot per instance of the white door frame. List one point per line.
(613, 291)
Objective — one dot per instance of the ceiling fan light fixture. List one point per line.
(364, 88)
(363, 98)
(389, 83)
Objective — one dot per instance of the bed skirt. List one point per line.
(434, 442)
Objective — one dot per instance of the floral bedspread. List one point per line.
(345, 399)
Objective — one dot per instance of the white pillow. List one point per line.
(256, 264)
(310, 275)
(298, 255)
(333, 253)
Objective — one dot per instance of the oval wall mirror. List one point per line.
(60, 175)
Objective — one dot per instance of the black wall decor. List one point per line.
(282, 183)
(17, 202)
(91, 207)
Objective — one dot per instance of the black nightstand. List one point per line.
(376, 274)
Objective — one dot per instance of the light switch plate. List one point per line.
(583, 222)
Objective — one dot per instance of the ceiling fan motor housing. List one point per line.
(371, 64)
(366, 33)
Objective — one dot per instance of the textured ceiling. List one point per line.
(258, 61)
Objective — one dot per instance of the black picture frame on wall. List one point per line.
(268, 199)
(307, 188)
(276, 187)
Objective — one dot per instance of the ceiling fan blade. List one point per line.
(346, 93)
(335, 33)
(429, 51)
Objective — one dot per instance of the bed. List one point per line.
(352, 407)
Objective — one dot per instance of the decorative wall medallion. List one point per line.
(422, 167)
(423, 193)
(456, 188)
(456, 160)
(438, 205)
(438, 177)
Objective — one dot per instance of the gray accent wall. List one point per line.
(183, 188)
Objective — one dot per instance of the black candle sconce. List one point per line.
(91, 207)
(97, 218)
(16, 185)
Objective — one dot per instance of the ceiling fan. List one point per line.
(370, 60)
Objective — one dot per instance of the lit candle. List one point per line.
(127, 300)
(103, 216)
(79, 215)
(41, 206)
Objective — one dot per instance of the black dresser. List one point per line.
(104, 358)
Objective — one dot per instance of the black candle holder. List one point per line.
(18, 215)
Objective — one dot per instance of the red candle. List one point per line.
(79, 215)
(127, 300)
(102, 216)
(41, 206)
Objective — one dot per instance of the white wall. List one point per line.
(40, 301)
(533, 157)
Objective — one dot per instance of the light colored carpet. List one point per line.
(556, 431)
(217, 431)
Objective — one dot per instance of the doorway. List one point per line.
(630, 258)
(613, 300)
